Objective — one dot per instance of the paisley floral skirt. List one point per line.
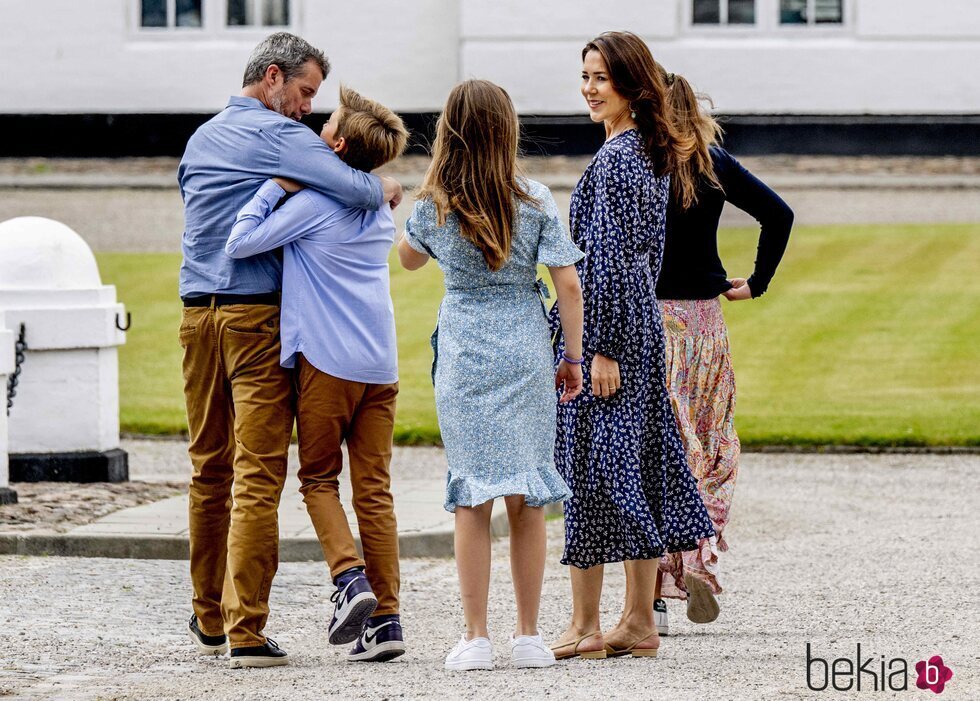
(702, 391)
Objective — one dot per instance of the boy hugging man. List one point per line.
(338, 332)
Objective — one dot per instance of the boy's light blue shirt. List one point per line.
(336, 298)
(225, 162)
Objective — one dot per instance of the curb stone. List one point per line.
(433, 543)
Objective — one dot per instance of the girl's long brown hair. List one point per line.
(639, 79)
(474, 169)
(693, 121)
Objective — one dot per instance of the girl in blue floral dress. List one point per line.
(633, 496)
(494, 375)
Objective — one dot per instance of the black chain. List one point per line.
(19, 347)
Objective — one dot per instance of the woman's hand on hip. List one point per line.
(740, 290)
(605, 376)
(569, 377)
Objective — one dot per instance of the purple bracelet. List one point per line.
(571, 361)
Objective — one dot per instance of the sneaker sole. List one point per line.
(243, 662)
(468, 666)
(533, 664)
(663, 630)
(382, 652)
(210, 650)
(702, 606)
(349, 629)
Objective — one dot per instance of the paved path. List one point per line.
(821, 190)
(152, 220)
(827, 550)
(159, 530)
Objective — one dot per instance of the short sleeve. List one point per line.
(420, 227)
(555, 247)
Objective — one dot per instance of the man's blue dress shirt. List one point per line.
(226, 161)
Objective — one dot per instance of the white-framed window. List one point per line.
(170, 14)
(257, 13)
(809, 12)
(211, 17)
(766, 17)
(722, 12)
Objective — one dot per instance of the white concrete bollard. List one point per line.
(64, 422)
(7, 495)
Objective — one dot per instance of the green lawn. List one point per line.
(869, 335)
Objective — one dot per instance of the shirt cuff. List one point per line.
(378, 190)
(270, 193)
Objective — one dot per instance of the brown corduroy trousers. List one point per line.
(329, 412)
(240, 409)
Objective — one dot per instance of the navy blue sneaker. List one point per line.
(380, 641)
(354, 602)
(206, 644)
(267, 655)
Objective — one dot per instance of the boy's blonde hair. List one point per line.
(374, 134)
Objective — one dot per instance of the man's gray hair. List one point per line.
(287, 51)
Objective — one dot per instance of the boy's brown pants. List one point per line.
(330, 411)
(240, 416)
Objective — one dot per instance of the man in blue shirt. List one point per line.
(239, 399)
(338, 331)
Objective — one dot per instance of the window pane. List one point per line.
(188, 13)
(792, 11)
(828, 11)
(275, 13)
(239, 13)
(741, 11)
(153, 13)
(706, 12)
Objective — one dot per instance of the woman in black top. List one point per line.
(699, 368)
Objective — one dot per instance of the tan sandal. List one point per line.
(632, 649)
(589, 655)
(702, 606)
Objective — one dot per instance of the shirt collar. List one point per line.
(242, 101)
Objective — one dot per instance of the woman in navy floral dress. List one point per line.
(618, 449)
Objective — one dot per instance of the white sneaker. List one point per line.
(470, 654)
(530, 651)
(660, 616)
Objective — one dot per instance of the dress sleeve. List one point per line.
(615, 218)
(754, 197)
(555, 247)
(420, 227)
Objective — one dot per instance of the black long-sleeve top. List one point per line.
(692, 268)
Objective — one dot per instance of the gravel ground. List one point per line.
(153, 220)
(114, 219)
(827, 550)
(553, 165)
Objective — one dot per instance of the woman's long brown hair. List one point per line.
(474, 169)
(692, 120)
(639, 79)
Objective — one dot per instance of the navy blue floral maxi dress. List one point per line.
(633, 496)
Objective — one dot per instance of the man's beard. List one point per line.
(277, 101)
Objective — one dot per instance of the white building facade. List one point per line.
(753, 57)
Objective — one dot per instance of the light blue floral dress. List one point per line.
(494, 370)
